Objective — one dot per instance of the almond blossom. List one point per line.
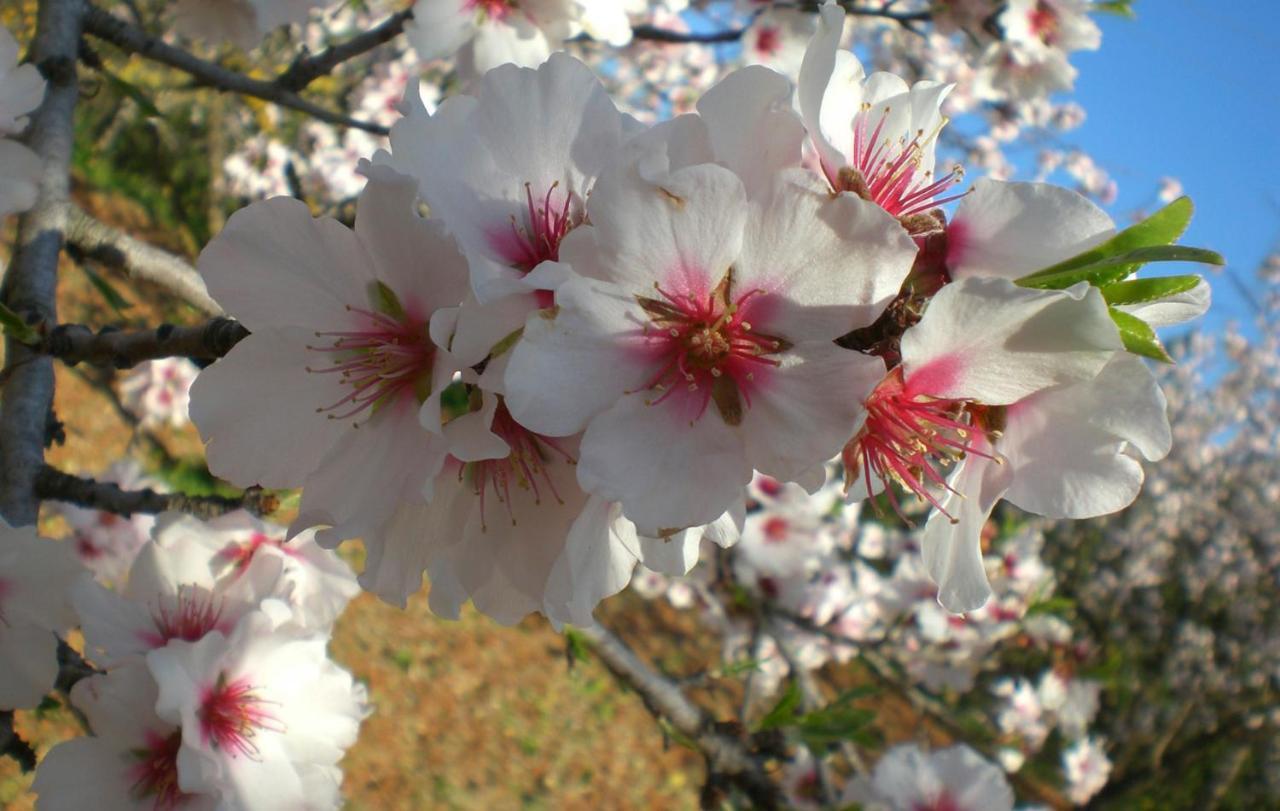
(35, 575)
(130, 763)
(159, 391)
(695, 343)
(106, 542)
(342, 326)
(21, 91)
(265, 715)
(954, 779)
(483, 34)
(873, 135)
(241, 22)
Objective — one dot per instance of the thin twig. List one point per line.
(112, 29)
(75, 343)
(730, 759)
(109, 497)
(30, 283)
(307, 68)
(116, 249)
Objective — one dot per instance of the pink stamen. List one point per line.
(156, 772)
(380, 363)
(526, 465)
(231, 715)
(192, 615)
(894, 180)
(907, 438)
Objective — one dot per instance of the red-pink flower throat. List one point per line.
(231, 715)
(707, 347)
(525, 466)
(155, 774)
(907, 438)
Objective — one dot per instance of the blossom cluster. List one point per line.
(602, 331)
(216, 689)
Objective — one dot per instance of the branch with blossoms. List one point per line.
(55, 485)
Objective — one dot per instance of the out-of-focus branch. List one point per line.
(307, 68)
(810, 700)
(12, 745)
(907, 19)
(101, 242)
(107, 27)
(652, 33)
(730, 758)
(31, 280)
(109, 497)
(75, 343)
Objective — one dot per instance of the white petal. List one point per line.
(667, 472)
(1175, 309)
(30, 665)
(953, 551)
(1013, 229)
(19, 176)
(994, 342)
(752, 126)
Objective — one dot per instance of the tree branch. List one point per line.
(12, 744)
(306, 68)
(74, 343)
(29, 286)
(729, 758)
(114, 248)
(56, 485)
(652, 33)
(107, 27)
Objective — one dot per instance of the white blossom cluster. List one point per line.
(216, 690)
(158, 392)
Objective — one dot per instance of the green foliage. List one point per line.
(1141, 291)
(1120, 8)
(576, 647)
(838, 721)
(16, 328)
(114, 298)
(1138, 336)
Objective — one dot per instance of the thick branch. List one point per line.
(306, 69)
(108, 497)
(74, 343)
(138, 259)
(729, 758)
(30, 283)
(119, 33)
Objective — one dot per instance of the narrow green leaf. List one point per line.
(117, 301)
(16, 328)
(739, 667)
(1140, 291)
(784, 712)
(132, 91)
(576, 648)
(1162, 228)
(1115, 268)
(1138, 336)
(1121, 8)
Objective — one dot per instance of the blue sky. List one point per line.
(1190, 90)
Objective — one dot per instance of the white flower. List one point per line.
(509, 170)
(1073, 702)
(695, 345)
(159, 391)
(241, 22)
(105, 542)
(343, 326)
(778, 38)
(130, 763)
(21, 86)
(265, 715)
(1048, 24)
(1024, 713)
(1087, 768)
(955, 779)
(35, 576)
(874, 135)
(484, 34)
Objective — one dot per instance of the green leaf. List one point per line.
(784, 712)
(16, 328)
(1138, 336)
(132, 91)
(576, 648)
(1121, 8)
(1162, 228)
(385, 300)
(1115, 268)
(833, 724)
(117, 301)
(1140, 291)
(741, 666)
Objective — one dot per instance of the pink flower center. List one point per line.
(706, 346)
(768, 40)
(239, 555)
(888, 172)
(525, 467)
(386, 359)
(776, 529)
(86, 548)
(491, 9)
(193, 613)
(907, 438)
(943, 802)
(535, 236)
(156, 772)
(1044, 23)
(230, 716)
